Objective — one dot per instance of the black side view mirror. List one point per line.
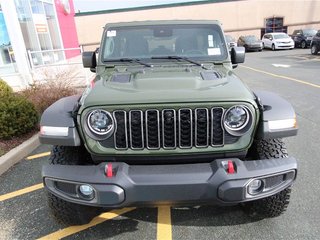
(89, 60)
(237, 56)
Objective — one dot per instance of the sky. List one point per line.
(97, 5)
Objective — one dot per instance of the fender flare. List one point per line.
(278, 118)
(57, 126)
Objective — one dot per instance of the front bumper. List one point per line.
(136, 185)
(284, 45)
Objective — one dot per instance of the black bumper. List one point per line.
(135, 185)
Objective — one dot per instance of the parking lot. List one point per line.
(294, 75)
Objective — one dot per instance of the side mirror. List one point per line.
(89, 60)
(237, 55)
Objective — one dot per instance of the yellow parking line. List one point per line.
(97, 220)
(284, 77)
(38, 155)
(164, 228)
(21, 192)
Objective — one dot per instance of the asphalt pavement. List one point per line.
(294, 75)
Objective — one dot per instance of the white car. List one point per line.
(277, 41)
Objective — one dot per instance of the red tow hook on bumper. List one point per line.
(109, 170)
(230, 168)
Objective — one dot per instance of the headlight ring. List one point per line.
(100, 124)
(237, 120)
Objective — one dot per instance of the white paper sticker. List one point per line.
(214, 51)
(111, 33)
(210, 41)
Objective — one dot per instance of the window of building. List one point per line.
(274, 24)
(7, 59)
(40, 30)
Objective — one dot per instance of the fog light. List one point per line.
(86, 191)
(255, 186)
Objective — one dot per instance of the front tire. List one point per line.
(277, 204)
(273, 47)
(67, 213)
(314, 49)
(303, 44)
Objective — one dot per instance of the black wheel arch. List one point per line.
(274, 108)
(61, 115)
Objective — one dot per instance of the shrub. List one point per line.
(42, 95)
(5, 89)
(18, 116)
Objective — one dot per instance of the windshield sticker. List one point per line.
(214, 51)
(210, 41)
(111, 33)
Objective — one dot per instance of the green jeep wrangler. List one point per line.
(166, 121)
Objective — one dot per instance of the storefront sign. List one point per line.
(40, 23)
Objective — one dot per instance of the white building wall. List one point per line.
(237, 17)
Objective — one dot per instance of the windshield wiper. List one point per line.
(136, 60)
(181, 58)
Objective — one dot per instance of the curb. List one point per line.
(18, 153)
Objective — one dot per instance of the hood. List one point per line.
(168, 85)
(253, 42)
(283, 39)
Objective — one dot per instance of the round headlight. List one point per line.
(236, 120)
(100, 122)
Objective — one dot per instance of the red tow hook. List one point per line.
(108, 170)
(230, 168)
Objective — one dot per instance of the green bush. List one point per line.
(18, 116)
(5, 89)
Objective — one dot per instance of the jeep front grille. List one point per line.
(169, 128)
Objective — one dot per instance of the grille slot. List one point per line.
(201, 127)
(217, 137)
(185, 128)
(121, 135)
(169, 128)
(152, 129)
(136, 129)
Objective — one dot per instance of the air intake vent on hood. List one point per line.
(210, 75)
(121, 78)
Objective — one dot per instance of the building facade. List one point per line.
(34, 33)
(238, 17)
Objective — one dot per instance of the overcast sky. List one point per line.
(97, 5)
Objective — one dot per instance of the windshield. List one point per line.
(280, 36)
(202, 42)
(310, 32)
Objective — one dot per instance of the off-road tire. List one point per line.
(275, 205)
(67, 213)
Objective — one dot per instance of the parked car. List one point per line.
(231, 41)
(315, 44)
(250, 43)
(277, 40)
(302, 37)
